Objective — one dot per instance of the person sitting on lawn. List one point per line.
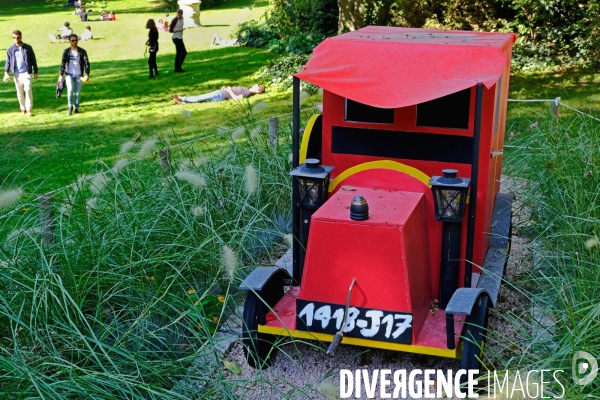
(87, 34)
(226, 93)
(108, 17)
(65, 31)
(83, 15)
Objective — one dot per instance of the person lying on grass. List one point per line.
(226, 93)
(221, 42)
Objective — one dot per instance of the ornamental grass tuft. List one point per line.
(551, 158)
(10, 197)
(97, 304)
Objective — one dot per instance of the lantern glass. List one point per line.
(450, 195)
(310, 192)
(450, 204)
(312, 180)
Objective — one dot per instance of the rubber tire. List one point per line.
(474, 335)
(258, 347)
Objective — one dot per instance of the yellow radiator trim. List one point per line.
(381, 164)
(306, 137)
(406, 348)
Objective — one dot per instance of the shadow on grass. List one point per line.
(123, 82)
(119, 103)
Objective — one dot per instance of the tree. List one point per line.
(351, 16)
(355, 14)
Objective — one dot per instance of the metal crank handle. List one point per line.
(337, 339)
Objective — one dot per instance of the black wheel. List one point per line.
(474, 335)
(258, 347)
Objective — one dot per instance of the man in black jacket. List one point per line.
(20, 59)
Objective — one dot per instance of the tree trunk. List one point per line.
(383, 13)
(352, 14)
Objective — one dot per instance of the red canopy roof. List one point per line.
(391, 67)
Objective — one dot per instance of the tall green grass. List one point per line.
(141, 269)
(558, 160)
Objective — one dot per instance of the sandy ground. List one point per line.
(302, 370)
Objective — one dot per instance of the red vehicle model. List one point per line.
(401, 234)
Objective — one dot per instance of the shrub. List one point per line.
(291, 17)
(291, 26)
(254, 34)
(550, 34)
(278, 72)
(296, 44)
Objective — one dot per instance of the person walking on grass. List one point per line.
(226, 93)
(152, 44)
(176, 28)
(20, 59)
(76, 65)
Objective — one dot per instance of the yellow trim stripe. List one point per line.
(382, 164)
(306, 137)
(432, 351)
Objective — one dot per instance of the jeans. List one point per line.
(211, 96)
(24, 93)
(181, 52)
(73, 90)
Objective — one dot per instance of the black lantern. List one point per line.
(449, 195)
(311, 184)
(312, 180)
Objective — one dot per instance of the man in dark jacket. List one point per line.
(20, 59)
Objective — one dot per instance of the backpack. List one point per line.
(173, 23)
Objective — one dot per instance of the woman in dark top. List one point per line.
(75, 64)
(152, 43)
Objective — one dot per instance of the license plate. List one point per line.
(364, 323)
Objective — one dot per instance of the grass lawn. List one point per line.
(120, 102)
(577, 89)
